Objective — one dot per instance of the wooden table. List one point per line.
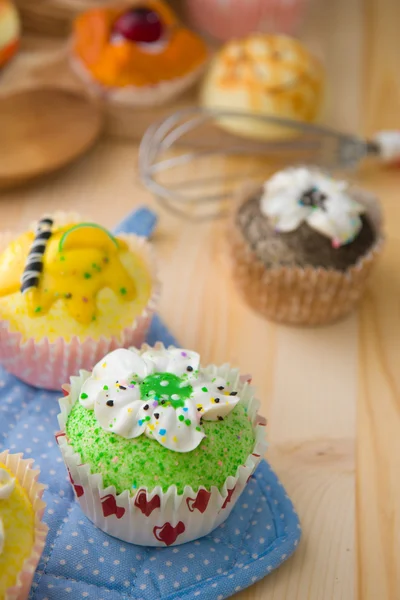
(331, 394)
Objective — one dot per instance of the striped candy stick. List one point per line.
(34, 263)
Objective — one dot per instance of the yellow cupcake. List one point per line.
(271, 75)
(17, 524)
(68, 291)
(22, 531)
(82, 282)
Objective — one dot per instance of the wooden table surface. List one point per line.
(331, 394)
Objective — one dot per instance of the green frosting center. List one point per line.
(167, 388)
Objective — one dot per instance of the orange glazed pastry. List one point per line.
(136, 54)
(9, 31)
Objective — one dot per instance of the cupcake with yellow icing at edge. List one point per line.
(136, 53)
(303, 246)
(158, 447)
(22, 531)
(70, 292)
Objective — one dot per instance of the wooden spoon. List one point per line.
(42, 130)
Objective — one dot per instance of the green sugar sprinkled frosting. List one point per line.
(142, 462)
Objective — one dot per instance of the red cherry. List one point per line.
(139, 25)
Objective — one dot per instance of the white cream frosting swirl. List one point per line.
(161, 393)
(298, 195)
(7, 485)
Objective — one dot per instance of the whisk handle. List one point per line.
(387, 145)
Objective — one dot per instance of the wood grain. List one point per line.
(331, 394)
(34, 137)
(378, 456)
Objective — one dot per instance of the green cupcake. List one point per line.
(157, 447)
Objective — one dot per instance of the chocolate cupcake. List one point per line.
(303, 246)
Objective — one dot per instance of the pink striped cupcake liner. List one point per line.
(48, 364)
(28, 478)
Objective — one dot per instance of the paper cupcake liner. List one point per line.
(130, 95)
(296, 295)
(153, 517)
(47, 364)
(27, 477)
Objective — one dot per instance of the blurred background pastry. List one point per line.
(270, 75)
(137, 54)
(9, 31)
(228, 19)
(303, 246)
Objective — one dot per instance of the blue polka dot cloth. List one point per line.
(80, 561)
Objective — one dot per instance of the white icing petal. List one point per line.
(125, 407)
(174, 360)
(214, 402)
(120, 365)
(7, 484)
(341, 227)
(281, 205)
(125, 416)
(290, 219)
(336, 217)
(173, 433)
(2, 536)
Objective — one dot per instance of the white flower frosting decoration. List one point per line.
(161, 393)
(7, 485)
(298, 195)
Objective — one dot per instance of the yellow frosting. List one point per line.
(91, 285)
(18, 519)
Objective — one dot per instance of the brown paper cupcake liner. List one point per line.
(297, 295)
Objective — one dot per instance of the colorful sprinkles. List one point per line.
(177, 406)
(144, 458)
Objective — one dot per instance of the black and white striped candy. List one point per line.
(34, 263)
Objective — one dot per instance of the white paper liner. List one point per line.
(130, 95)
(27, 477)
(157, 518)
(47, 364)
(297, 295)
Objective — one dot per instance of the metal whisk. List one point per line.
(191, 141)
